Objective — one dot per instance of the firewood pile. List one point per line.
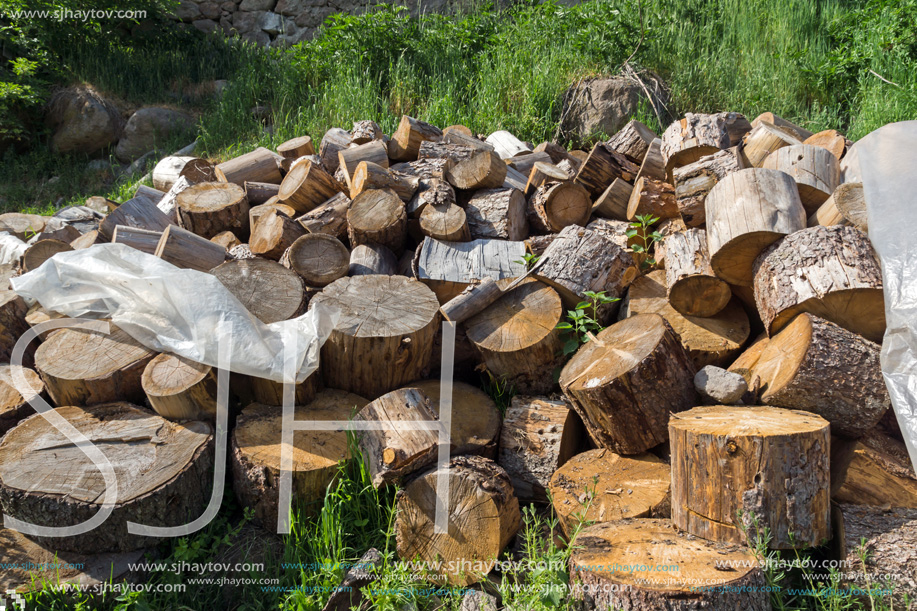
(735, 384)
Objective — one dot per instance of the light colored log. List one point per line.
(542, 173)
(815, 170)
(694, 181)
(652, 197)
(406, 140)
(349, 158)
(319, 259)
(769, 117)
(259, 193)
(260, 165)
(552, 207)
(273, 234)
(377, 217)
(696, 135)
(251, 280)
(449, 267)
(445, 222)
(601, 167)
(137, 213)
(846, 206)
(41, 251)
(692, 287)
(485, 170)
(367, 259)
(830, 140)
(653, 165)
(430, 191)
(497, 213)
(209, 208)
(524, 163)
(334, 141)
(187, 250)
(169, 169)
(761, 141)
(633, 140)
(14, 405)
(296, 148)
(329, 218)
(506, 145)
(226, 239)
(366, 131)
(306, 186)
(613, 202)
(876, 471)
(370, 176)
(180, 389)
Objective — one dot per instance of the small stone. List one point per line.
(205, 25)
(188, 11)
(257, 5)
(717, 385)
(210, 10)
(272, 23)
(257, 37)
(245, 22)
(229, 7)
(478, 601)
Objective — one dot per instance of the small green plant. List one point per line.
(528, 260)
(583, 321)
(500, 390)
(641, 228)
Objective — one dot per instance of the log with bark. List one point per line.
(14, 399)
(515, 179)
(763, 140)
(696, 135)
(334, 141)
(260, 165)
(328, 218)
(554, 150)
(226, 239)
(41, 251)
(180, 389)
(273, 234)
(444, 150)
(652, 197)
(249, 280)
(497, 213)
(256, 212)
(449, 267)
(815, 170)
(846, 206)
(170, 169)
(406, 140)
(306, 186)
(187, 250)
(525, 163)
(633, 140)
(13, 310)
(258, 193)
(370, 176)
(484, 170)
(366, 131)
(435, 191)
(542, 173)
(296, 148)
(653, 165)
(475, 417)
(694, 181)
(613, 202)
(139, 213)
(874, 470)
(506, 145)
(319, 259)
(445, 222)
(349, 158)
(601, 168)
(557, 205)
(769, 117)
(692, 287)
(466, 139)
(368, 259)
(86, 240)
(377, 217)
(830, 140)
(212, 207)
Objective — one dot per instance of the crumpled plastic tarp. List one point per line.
(168, 309)
(11, 248)
(887, 167)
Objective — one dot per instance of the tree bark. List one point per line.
(329, 218)
(697, 135)
(258, 193)
(250, 280)
(180, 389)
(497, 213)
(692, 287)
(14, 406)
(260, 165)
(435, 191)
(273, 234)
(601, 168)
(188, 250)
(815, 170)
(349, 158)
(406, 140)
(369, 259)
(307, 186)
(319, 259)
(444, 150)
(877, 472)
(633, 141)
(366, 131)
(334, 141)
(377, 217)
(652, 197)
(694, 182)
(485, 170)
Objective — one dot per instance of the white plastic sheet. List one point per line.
(176, 310)
(11, 248)
(887, 166)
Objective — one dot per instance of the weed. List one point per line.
(583, 321)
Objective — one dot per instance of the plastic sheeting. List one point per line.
(887, 166)
(11, 248)
(168, 309)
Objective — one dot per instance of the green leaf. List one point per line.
(630, 233)
(571, 346)
(563, 325)
(582, 304)
(636, 248)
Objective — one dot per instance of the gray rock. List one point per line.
(720, 386)
(226, 25)
(188, 11)
(257, 5)
(205, 25)
(478, 601)
(210, 10)
(292, 8)
(272, 23)
(257, 37)
(83, 121)
(245, 22)
(602, 105)
(98, 165)
(229, 7)
(148, 128)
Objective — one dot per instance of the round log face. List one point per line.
(320, 259)
(41, 251)
(533, 308)
(252, 281)
(475, 417)
(14, 406)
(209, 196)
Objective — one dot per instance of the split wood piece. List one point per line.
(688, 139)
(37, 315)
(497, 213)
(226, 239)
(273, 234)
(384, 337)
(517, 335)
(694, 181)
(570, 167)
(14, 405)
(269, 392)
(365, 131)
(652, 197)
(249, 280)
(613, 202)
(328, 218)
(633, 141)
(41, 251)
(539, 435)
(170, 169)
(745, 364)
(164, 471)
(258, 193)
(542, 173)
(485, 170)
(334, 141)
(463, 139)
(641, 546)
(482, 513)
(832, 272)
(665, 228)
(445, 222)
(377, 217)
(815, 170)
(846, 206)
(653, 165)
(555, 151)
(601, 168)
(555, 206)
(13, 311)
(461, 129)
(613, 383)
(616, 231)
(708, 341)
(471, 301)
(256, 212)
(82, 367)
(830, 140)
(65, 233)
(475, 417)
(256, 453)
(430, 191)
(349, 158)
(296, 148)
(86, 240)
(876, 471)
(180, 389)
(601, 486)
(260, 165)
(406, 140)
(319, 259)
(444, 150)
(692, 287)
(99, 204)
(819, 367)
(370, 176)
(187, 250)
(134, 213)
(769, 117)
(525, 163)
(763, 140)
(212, 207)
(369, 259)
(168, 203)
(306, 186)
(770, 464)
(449, 267)
(747, 211)
(392, 453)
(506, 145)
(514, 179)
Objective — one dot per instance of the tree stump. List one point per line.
(659, 567)
(601, 168)
(82, 367)
(249, 280)
(180, 389)
(334, 141)
(407, 138)
(613, 202)
(385, 334)
(41, 251)
(763, 140)
(632, 141)
(875, 471)
(652, 197)
(188, 250)
(377, 217)
(557, 205)
(613, 382)
(497, 213)
(765, 461)
(601, 486)
(319, 259)
(445, 222)
(692, 287)
(273, 234)
(296, 148)
(164, 473)
(832, 272)
(475, 417)
(696, 135)
(485, 170)
(816, 171)
(517, 338)
(694, 181)
(368, 259)
(14, 406)
(211, 207)
(373, 152)
(747, 211)
(483, 515)
(306, 186)
(260, 165)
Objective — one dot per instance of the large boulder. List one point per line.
(149, 128)
(605, 105)
(83, 121)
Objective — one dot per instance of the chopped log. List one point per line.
(369, 176)
(187, 250)
(349, 158)
(148, 194)
(633, 141)
(817, 366)
(613, 202)
(761, 141)
(180, 389)
(209, 208)
(14, 405)
(633, 552)
(273, 234)
(366, 131)
(747, 211)
(444, 150)
(745, 364)
(169, 465)
(102, 205)
(41, 251)
(449, 267)
(694, 181)
(249, 280)
(514, 179)
(13, 310)
(846, 206)
(296, 148)
(37, 315)
(168, 203)
(696, 135)
(485, 170)
(815, 170)
(435, 191)
(832, 272)
(226, 239)
(258, 193)
(555, 206)
(471, 301)
(475, 420)
(708, 341)
(692, 288)
(461, 129)
(86, 240)
(877, 471)
(269, 392)
(482, 513)
(260, 165)
(652, 197)
(329, 218)
(665, 228)
(525, 163)
(24, 226)
(601, 486)
(830, 140)
(542, 173)
(506, 145)
(616, 231)
(256, 212)
(319, 259)
(653, 165)
(445, 222)
(64, 233)
(82, 367)
(170, 169)
(137, 213)
(377, 217)
(384, 337)
(306, 186)
(601, 168)
(256, 452)
(769, 463)
(517, 336)
(463, 139)
(406, 140)
(769, 117)
(497, 213)
(554, 150)
(334, 141)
